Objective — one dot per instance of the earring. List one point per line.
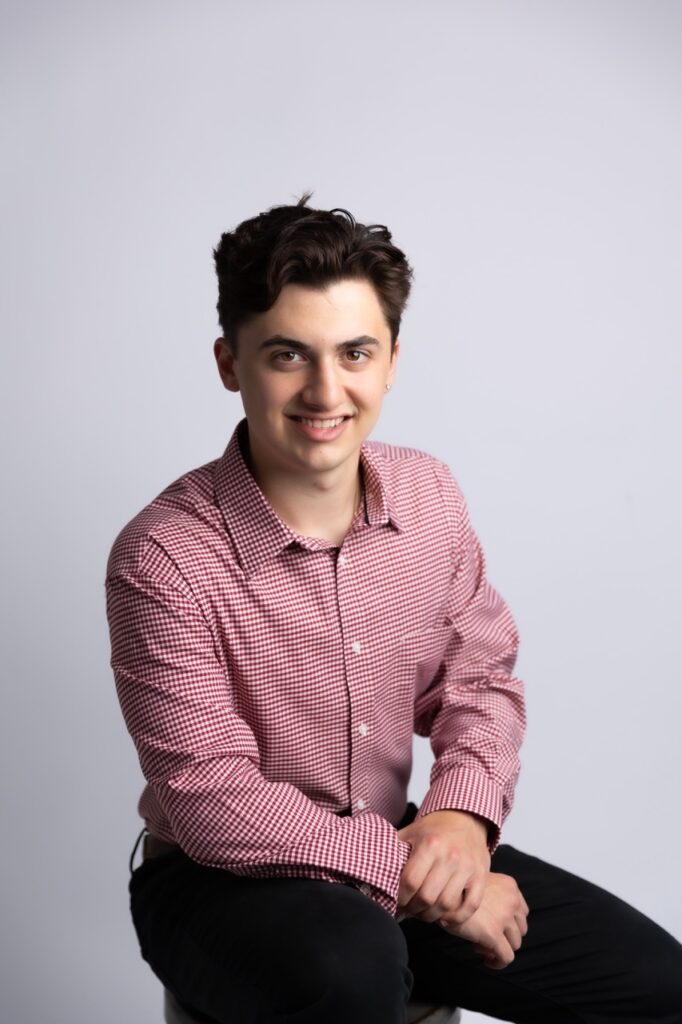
(388, 387)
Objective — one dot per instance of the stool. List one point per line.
(417, 1013)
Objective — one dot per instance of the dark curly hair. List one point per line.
(299, 245)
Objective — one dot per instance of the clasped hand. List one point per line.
(447, 879)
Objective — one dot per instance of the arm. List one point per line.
(202, 760)
(474, 709)
(474, 713)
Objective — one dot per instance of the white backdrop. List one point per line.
(528, 158)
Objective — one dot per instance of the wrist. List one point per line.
(466, 819)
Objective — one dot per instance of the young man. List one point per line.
(282, 619)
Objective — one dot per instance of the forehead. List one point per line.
(341, 310)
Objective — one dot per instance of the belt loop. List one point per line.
(137, 843)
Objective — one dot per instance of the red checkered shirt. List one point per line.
(271, 681)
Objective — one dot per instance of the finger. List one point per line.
(513, 935)
(420, 905)
(454, 901)
(472, 898)
(463, 897)
(438, 894)
(485, 951)
(421, 886)
(412, 878)
(490, 958)
(521, 922)
(503, 951)
(495, 945)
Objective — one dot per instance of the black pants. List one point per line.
(299, 951)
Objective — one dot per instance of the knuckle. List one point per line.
(445, 905)
(474, 900)
(461, 914)
(405, 897)
(426, 897)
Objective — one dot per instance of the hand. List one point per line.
(447, 868)
(498, 926)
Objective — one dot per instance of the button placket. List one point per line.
(359, 692)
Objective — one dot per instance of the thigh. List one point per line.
(259, 950)
(588, 956)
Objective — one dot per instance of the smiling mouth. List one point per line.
(327, 424)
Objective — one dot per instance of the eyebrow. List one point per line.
(301, 346)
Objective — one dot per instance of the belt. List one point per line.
(152, 846)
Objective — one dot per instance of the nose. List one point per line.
(323, 390)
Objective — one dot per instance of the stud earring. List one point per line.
(388, 387)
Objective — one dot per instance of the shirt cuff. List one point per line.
(387, 895)
(462, 789)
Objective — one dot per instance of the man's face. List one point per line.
(312, 372)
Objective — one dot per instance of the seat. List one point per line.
(417, 1013)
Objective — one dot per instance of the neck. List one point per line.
(322, 505)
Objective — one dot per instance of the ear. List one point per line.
(226, 364)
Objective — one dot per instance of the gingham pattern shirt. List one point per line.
(271, 681)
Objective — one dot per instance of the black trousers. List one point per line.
(299, 951)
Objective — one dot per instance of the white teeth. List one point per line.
(322, 424)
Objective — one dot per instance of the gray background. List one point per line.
(527, 157)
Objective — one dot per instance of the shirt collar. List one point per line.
(258, 533)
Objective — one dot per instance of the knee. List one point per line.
(659, 976)
(666, 982)
(355, 955)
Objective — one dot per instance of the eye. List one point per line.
(286, 356)
(356, 355)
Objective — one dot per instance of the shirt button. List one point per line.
(342, 560)
(365, 888)
(356, 646)
(362, 729)
(360, 804)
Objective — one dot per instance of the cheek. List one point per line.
(372, 392)
(268, 393)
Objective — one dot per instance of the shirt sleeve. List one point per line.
(474, 709)
(202, 760)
